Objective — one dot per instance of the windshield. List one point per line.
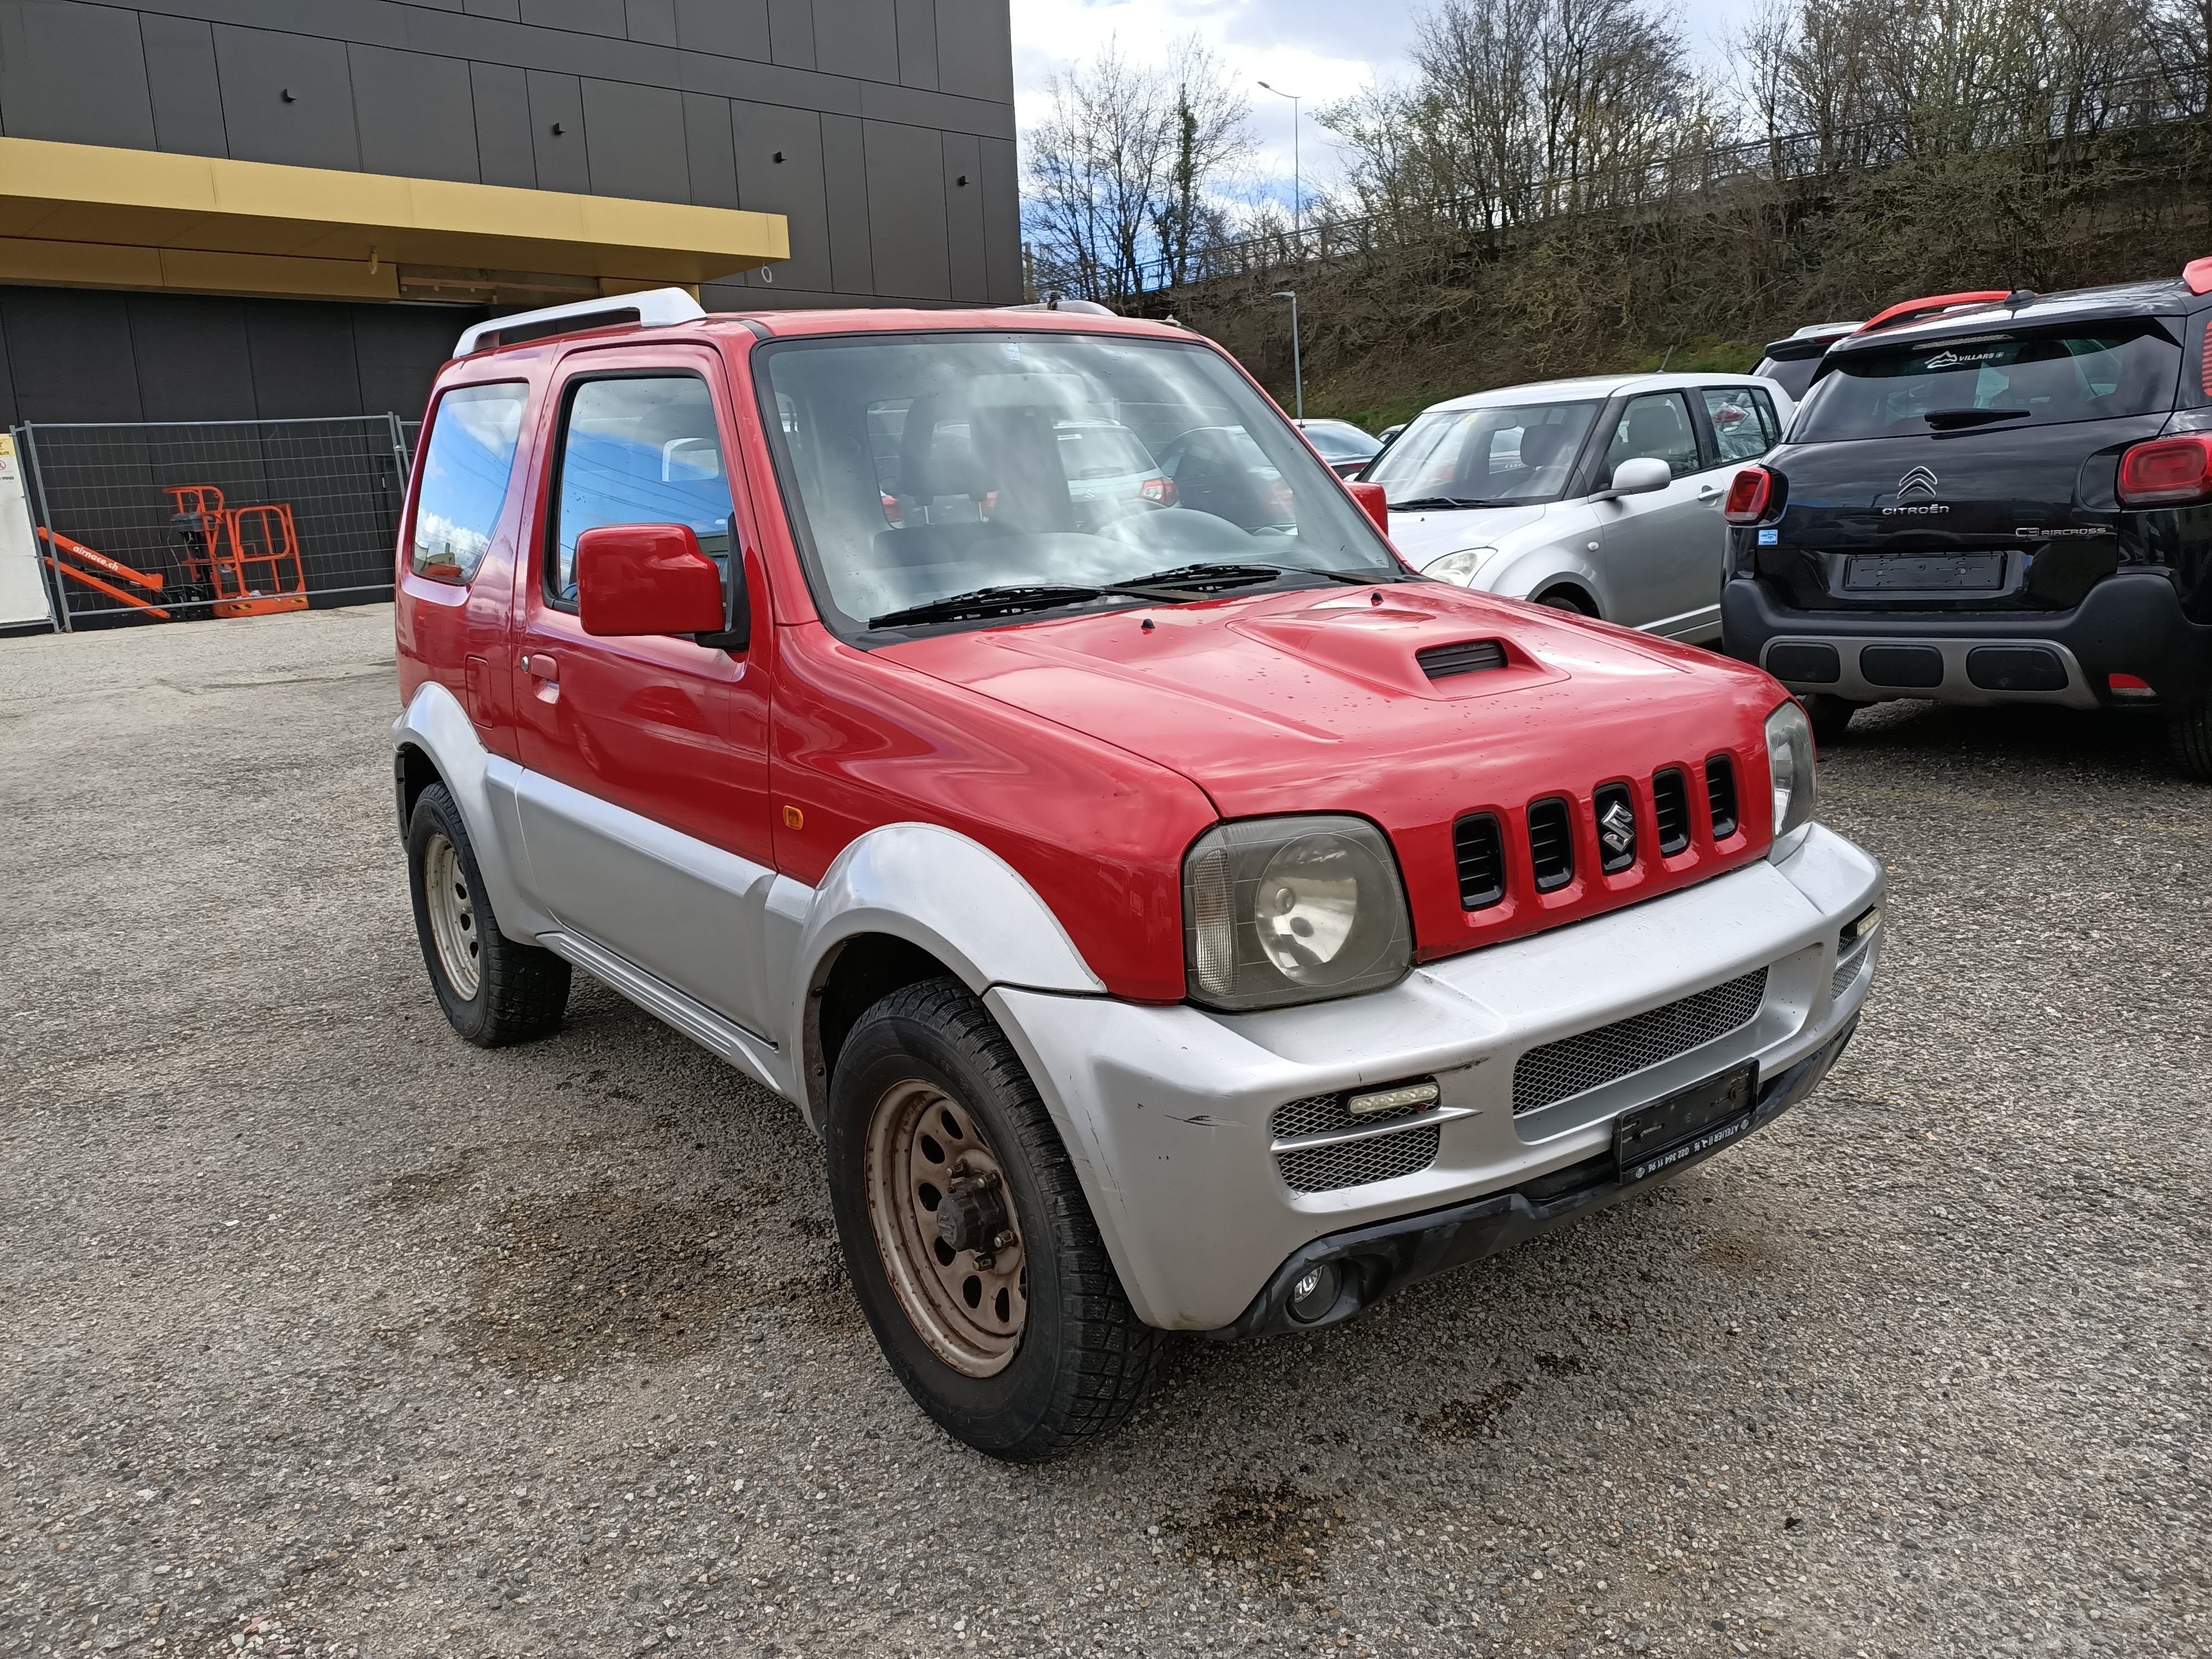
(1501, 456)
(1042, 469)
(1993, 380)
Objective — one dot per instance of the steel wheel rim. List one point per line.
(453, 909)
(972, 1309)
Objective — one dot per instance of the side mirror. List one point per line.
(646, 578)
(1638, 476)
(1375, 502)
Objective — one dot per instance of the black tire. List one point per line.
(1831, 717)
(1084, 1358)
(1564, 599)
(521, 991)
(2188, 737)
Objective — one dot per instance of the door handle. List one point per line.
(1709, 492)
(538, 665)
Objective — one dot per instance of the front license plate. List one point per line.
(1936, 573)
(1688, 1122)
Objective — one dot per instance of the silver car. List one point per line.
(1602, 496)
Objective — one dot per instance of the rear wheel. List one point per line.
(494, 991)
(1831, 717)
(971, 1248)
(2189, 735)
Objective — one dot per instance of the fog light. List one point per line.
(1315, 1293)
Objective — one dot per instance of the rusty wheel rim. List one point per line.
(970, 1305)
(452, 917)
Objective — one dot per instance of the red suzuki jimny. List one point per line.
(1000, 734)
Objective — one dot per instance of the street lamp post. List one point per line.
(1297, 187)
(1297, 372)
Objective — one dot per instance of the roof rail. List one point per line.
(1910, 311)
(2198, 275)
(659, 307)
(1054, 303)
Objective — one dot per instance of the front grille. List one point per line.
(1616, 827)
(1480, 850)
(1325, 1114)
(1720, 795)
(1670, 807)
(1551, 844)
(1360, 1163)
(1441, 662)
(1559, 1070)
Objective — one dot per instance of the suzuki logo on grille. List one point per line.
(1616, 828)
(1918, 482)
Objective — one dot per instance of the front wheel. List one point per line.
(1565, 599)
(2188, 737)
(971, 1248)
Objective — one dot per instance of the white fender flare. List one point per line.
(482, 785)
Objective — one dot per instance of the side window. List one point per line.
(1743, 421)
(474, 432)
(638, 449)
(1656, 425)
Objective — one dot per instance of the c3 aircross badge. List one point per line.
(1616, 828)
(1918, 482)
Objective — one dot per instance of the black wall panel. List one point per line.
(858, 37)
(917, 43)
(653, 21)
(303, 359)
(709, 148)
(734, 28)
(9, 414)
(70, 352)
(963, 218)
(975, 49)
(505, 152)
(564, 162)
(507, 10)
(1002, 222)
(418, 118)
(791, 32)
(906, 212)
(636, 136)
(791, 186)
(187, 92)
(316, 129)
(193, 363)
(845, 191)
(399, 349)
(73, 73)
(586, 16)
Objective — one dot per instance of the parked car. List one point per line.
(1994, 498)
(1792, 363)
(1345, 448)
(1165, 925)
(1601, 495)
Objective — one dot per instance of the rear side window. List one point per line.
(641, 449)
(465, 468)
(1743, 421)
(1997, 380)
(1792, 374)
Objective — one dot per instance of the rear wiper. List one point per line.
(1245, 574)
(1944, 419)
(1005, 601)
(1421, 503)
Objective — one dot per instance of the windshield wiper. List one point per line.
(1245, 573)
(1943, 419)
(1006, 600)
(1421, 503)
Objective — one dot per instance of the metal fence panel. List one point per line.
(119, 541)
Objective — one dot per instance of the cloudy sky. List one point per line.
(1321, 49)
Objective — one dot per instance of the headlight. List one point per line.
(1789, 763)
(1280, 910)
(1458, 567)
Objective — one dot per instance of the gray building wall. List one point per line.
(882, 129)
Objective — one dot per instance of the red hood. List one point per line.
(1317, 702)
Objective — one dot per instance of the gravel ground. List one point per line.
(323, 1332)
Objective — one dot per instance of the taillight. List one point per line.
(1747, 496)
(2166, 472)
(1160, 492)
(892, 515)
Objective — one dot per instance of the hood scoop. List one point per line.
(1441, 662)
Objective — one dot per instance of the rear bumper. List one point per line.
(1169, 1113)
(2130, 623)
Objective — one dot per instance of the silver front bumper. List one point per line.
(1167, 1111)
